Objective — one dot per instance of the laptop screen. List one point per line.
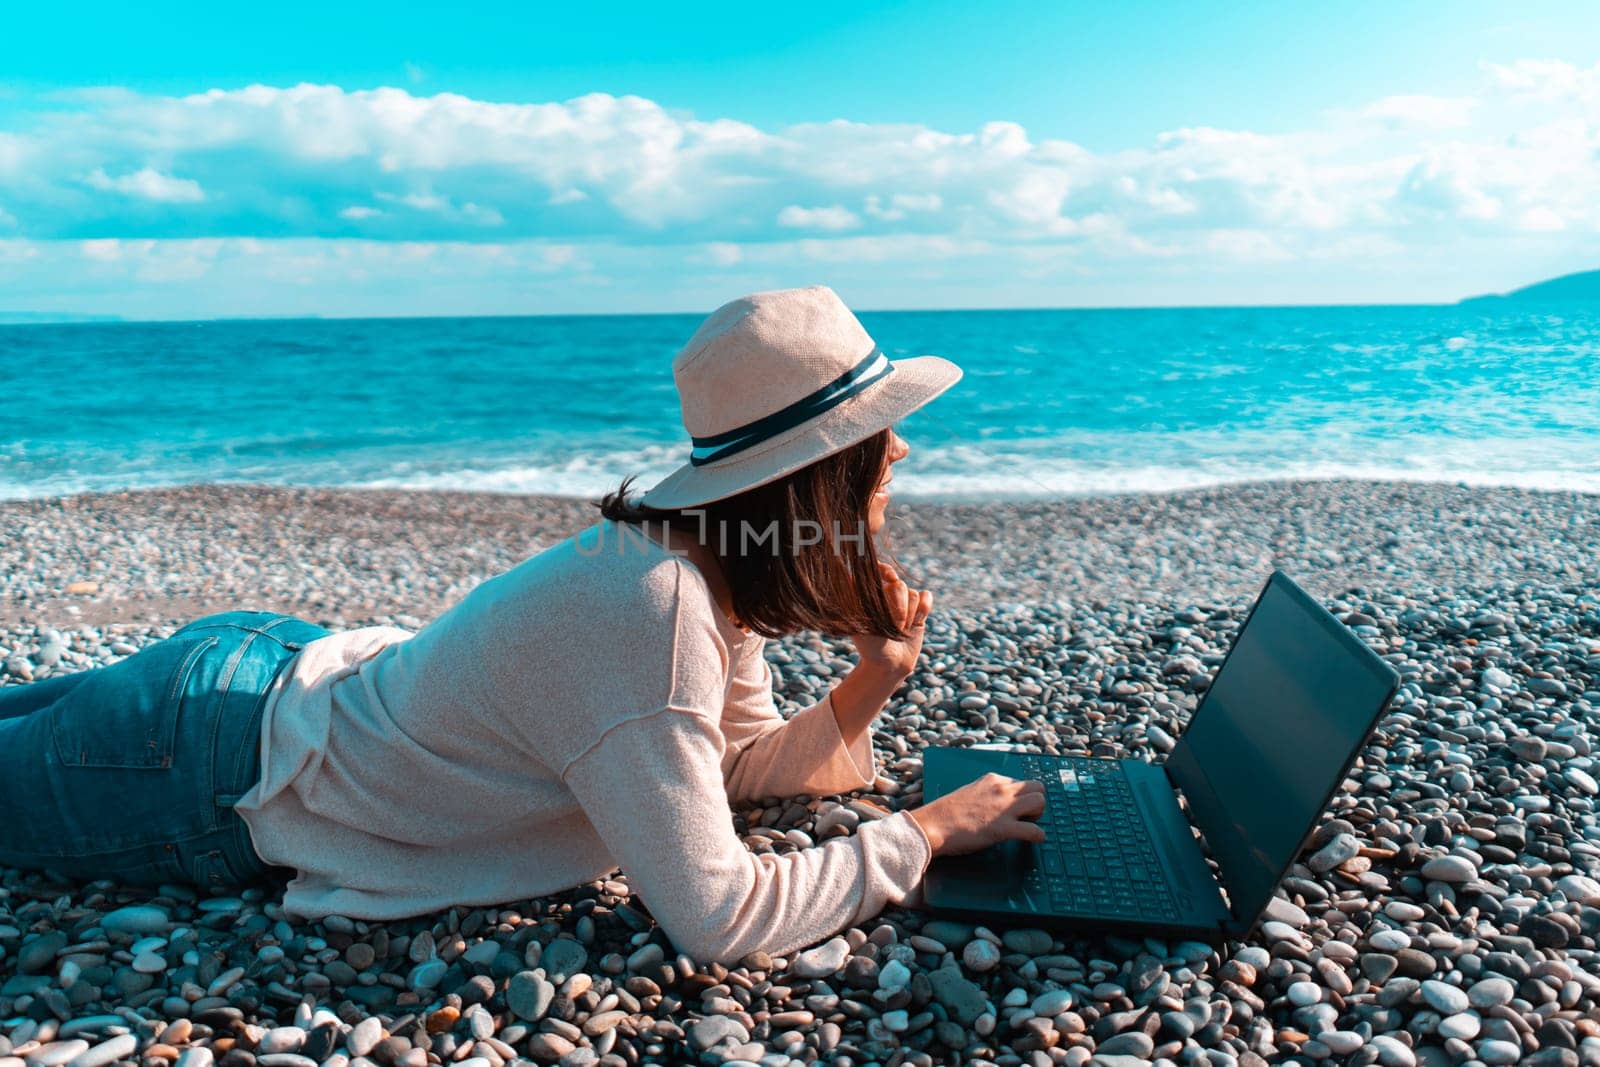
(1274, 736)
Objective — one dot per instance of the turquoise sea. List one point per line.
(1083, 401)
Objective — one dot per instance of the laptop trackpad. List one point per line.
(1016, 858)
(1008, 859)
(984, 875)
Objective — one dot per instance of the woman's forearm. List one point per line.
(860, 696)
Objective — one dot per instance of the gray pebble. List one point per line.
(137, 919)
(529, 995)
(1444, 998)
(281, 1039)
(57, 1052)
(426, 975)
(564, 956)
(1133, 1043)
(364, 1036)
(821, 961)
(1029, 942)
(107, 1052)
(1495, 1051)
(715, 1029)
(1392, 1053)
(1490, 992)
(981, 956)
(1450, 868)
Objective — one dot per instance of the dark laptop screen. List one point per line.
(1294, 700)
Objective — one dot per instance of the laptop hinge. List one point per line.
(1232, 922)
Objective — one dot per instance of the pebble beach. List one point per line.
(1446, 910)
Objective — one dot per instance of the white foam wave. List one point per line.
(584, 474)
(1153, 478)
(989, 471)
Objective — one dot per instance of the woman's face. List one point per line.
(898, 450)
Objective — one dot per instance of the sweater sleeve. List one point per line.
(778, 757)
(652, 787)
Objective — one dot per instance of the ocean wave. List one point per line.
(584, 474)
(969, 471)
(977, 472)
(1053, 403)
(1069, 481)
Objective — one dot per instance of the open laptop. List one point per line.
(1275, 734)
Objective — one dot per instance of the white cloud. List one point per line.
(420, 201)
(623, 183)
(14, 251)
(199, 278)
(103, 249)
(310, 159)
(1435, 112)
(1541, 220)
(148, 184)
(832, 218)
(1548, 79)
(904, 248)
(1251, 245)
(916, 201)
(555, 256)
(900, 205)
(442, 206)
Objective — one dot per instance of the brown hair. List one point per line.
(779, 583)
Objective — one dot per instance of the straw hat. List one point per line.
(774, 381)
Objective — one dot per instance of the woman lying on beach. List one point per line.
(600, 704)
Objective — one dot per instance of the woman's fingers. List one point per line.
(895, 591)
(1024, 810)
(1016, 818)
(911, 605)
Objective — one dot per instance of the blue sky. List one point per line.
(186, 161)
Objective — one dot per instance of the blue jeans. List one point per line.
(130, 771)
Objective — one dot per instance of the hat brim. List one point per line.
(912, 384)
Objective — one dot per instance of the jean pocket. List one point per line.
(126, 715)
(207, 866)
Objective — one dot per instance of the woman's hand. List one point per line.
(982, 813)
(890, 656)
(883, 662)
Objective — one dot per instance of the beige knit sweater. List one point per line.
(592, 707)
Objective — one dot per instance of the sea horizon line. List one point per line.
(95, 319)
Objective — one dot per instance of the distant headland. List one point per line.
(1582, 286)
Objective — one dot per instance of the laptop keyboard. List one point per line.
(1098, 856)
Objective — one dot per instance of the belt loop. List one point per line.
(276, 622)
(228, 800)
